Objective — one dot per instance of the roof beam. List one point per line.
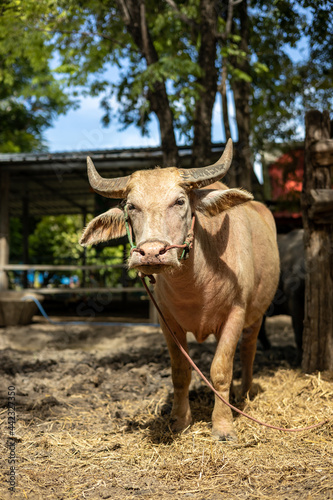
(59, 194)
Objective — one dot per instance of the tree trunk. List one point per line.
(242, 166)
(202, 143)
(159, 103)
(134, 16)
(25, 233)
(224, 101)
(318, 240)
(222, 88)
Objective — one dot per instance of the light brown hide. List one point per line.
(223, 288)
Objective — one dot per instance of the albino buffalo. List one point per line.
(225, 284)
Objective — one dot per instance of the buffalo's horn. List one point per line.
(200, 177)
(110, 188)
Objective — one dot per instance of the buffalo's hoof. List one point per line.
(230, 436)
(179, 424)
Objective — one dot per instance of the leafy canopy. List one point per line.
(30, 94)
(289, 85)
(87, 37)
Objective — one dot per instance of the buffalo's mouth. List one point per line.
(153, 266)
(152, 269)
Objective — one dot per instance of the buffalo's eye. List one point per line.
(130, 206)
(180, 202)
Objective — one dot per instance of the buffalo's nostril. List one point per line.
(162, 251)
(141, 252)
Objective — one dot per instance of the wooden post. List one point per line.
(317, 203)
(153, 316)
(4, 227)
(25, 221)
(84, 252)
(124, 276)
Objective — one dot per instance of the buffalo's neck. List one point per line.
(201, 275)
(188, 298)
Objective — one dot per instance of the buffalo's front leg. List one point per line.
(181, 378)
(221, 374)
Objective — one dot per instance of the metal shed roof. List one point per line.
(57, 183)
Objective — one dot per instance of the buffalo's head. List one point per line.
(159, 205)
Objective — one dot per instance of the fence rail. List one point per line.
(49, 267)
(59, 290)
(78, 290)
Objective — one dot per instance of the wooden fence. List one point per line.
(317, 208)
(153, 318)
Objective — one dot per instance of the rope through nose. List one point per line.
(187, 245)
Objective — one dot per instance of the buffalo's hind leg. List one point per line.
(181, 378)
(248, 347)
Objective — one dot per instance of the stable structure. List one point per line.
(317, 208)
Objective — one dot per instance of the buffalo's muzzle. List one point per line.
(154, 254)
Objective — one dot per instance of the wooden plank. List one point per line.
(321, 218)
(79, 290)
(153, 316)
(321, 206)
(322, 146)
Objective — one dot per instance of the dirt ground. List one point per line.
(92, 420)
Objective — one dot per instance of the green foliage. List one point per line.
(55, 241)
(91, 34)
(88, 36)
(286, 89)
(30, 95)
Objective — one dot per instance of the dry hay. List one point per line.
(89, 446)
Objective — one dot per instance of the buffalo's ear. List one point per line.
(105, 227)
(214, 201)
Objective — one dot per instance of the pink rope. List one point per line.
(189, 359)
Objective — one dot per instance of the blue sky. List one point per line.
(81, 129)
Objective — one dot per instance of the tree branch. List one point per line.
(231, 5)
(144, 32)
(126, 14)
(181, 15)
